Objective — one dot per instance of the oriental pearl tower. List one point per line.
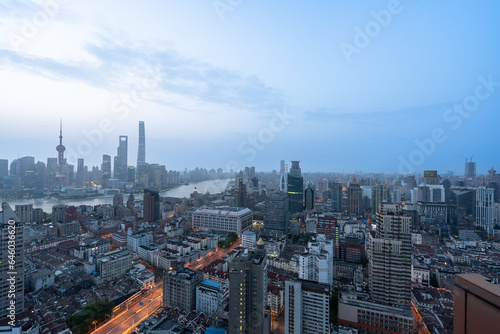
(60, 158)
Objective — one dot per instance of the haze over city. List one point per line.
(369, 86)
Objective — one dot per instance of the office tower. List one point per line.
(462, 204)
(354, 193)
(485, 208)
(390, 257)
(141, 152)
(309, 198)
(179, 288)
(477, 304)
(276, 215)
(241, 194)
(295, 188)
(380, 194)
(282, 167)
(431, 177)
(24, 213)
(248, 291)
(12, 259)
(121, 159)
(307, 307)
(4, 167)
(151, 205)
(337, 196)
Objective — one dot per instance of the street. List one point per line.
(128, 320)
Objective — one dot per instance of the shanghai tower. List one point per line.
(141, 152)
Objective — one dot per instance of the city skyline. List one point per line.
(359, 77)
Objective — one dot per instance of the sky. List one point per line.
(342, 86)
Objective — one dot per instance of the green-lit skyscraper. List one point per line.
(296, 188)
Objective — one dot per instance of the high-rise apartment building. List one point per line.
(24, 212)
(276, 215)
(12, 260)
(390, 257)
(248, 291)
(485, 208)
(295, 188)
(307, 307)
(328, 226)
(179, 288)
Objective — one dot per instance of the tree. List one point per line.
(334, 306)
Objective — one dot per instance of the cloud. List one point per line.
(120, 68)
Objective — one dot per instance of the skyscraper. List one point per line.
(248, 291)
(106, 165)
(151, 204)
(241, 194)
(141, 152)
(470, 172)
(309, 198)
(295, 188)
(121, 159)
(390, 257)
(380, 193)
(276, 215)
(354, 193)
(337, 196)
(80, 172)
